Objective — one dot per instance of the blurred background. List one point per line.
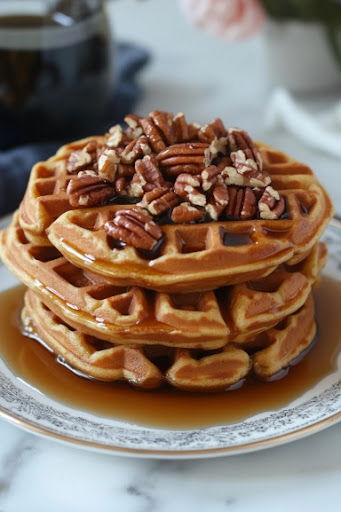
(272, 68)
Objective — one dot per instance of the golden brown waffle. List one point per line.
(195, 257)
(133, 315)
(185, 369)
(204, 256)
(91, 356)
(286, 342)
(45, 198)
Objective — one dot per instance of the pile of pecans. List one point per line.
(190, 173)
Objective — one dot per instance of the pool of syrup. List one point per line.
(168, 408)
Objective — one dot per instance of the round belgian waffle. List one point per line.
(149, 367)
(134, 315)
(193, 257)
(205, 256)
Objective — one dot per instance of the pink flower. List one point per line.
(227, 19)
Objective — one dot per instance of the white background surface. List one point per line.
(203, 77)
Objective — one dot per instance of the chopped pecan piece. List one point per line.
(218, 201)
(217, 148)
(126, 170)
(134, 130)
(223, 162)
(159, 200)
(153, 134)
(146, 177)
(187, 157)
(242, 203)
(164, 123)
(133, 120)
(135, 149)
(121, 185)
(186, 213)
(116, 136)
(210, 176)
(89, 190)
(241, 140)
(183, 131)
(180, 127)
(188, 186)
(88, 172)
(244, 172)
(193, 129)
(175, 170)
(211, 131)
(271, 205)
(85, 158)
(134, 227)
(108, 164)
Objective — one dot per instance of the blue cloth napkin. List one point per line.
(16, 163)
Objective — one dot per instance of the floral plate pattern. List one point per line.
(313, 411)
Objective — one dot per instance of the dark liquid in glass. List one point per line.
(59, 91)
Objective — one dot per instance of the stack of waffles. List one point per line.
(169, 252)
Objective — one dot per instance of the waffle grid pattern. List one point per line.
(185, 369)
(134, 315)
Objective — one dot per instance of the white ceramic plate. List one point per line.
(315, 410)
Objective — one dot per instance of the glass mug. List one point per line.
(56, 69)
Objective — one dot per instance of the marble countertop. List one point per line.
(37, 475)
(203, 77)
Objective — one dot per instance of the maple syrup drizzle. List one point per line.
(168, 408)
